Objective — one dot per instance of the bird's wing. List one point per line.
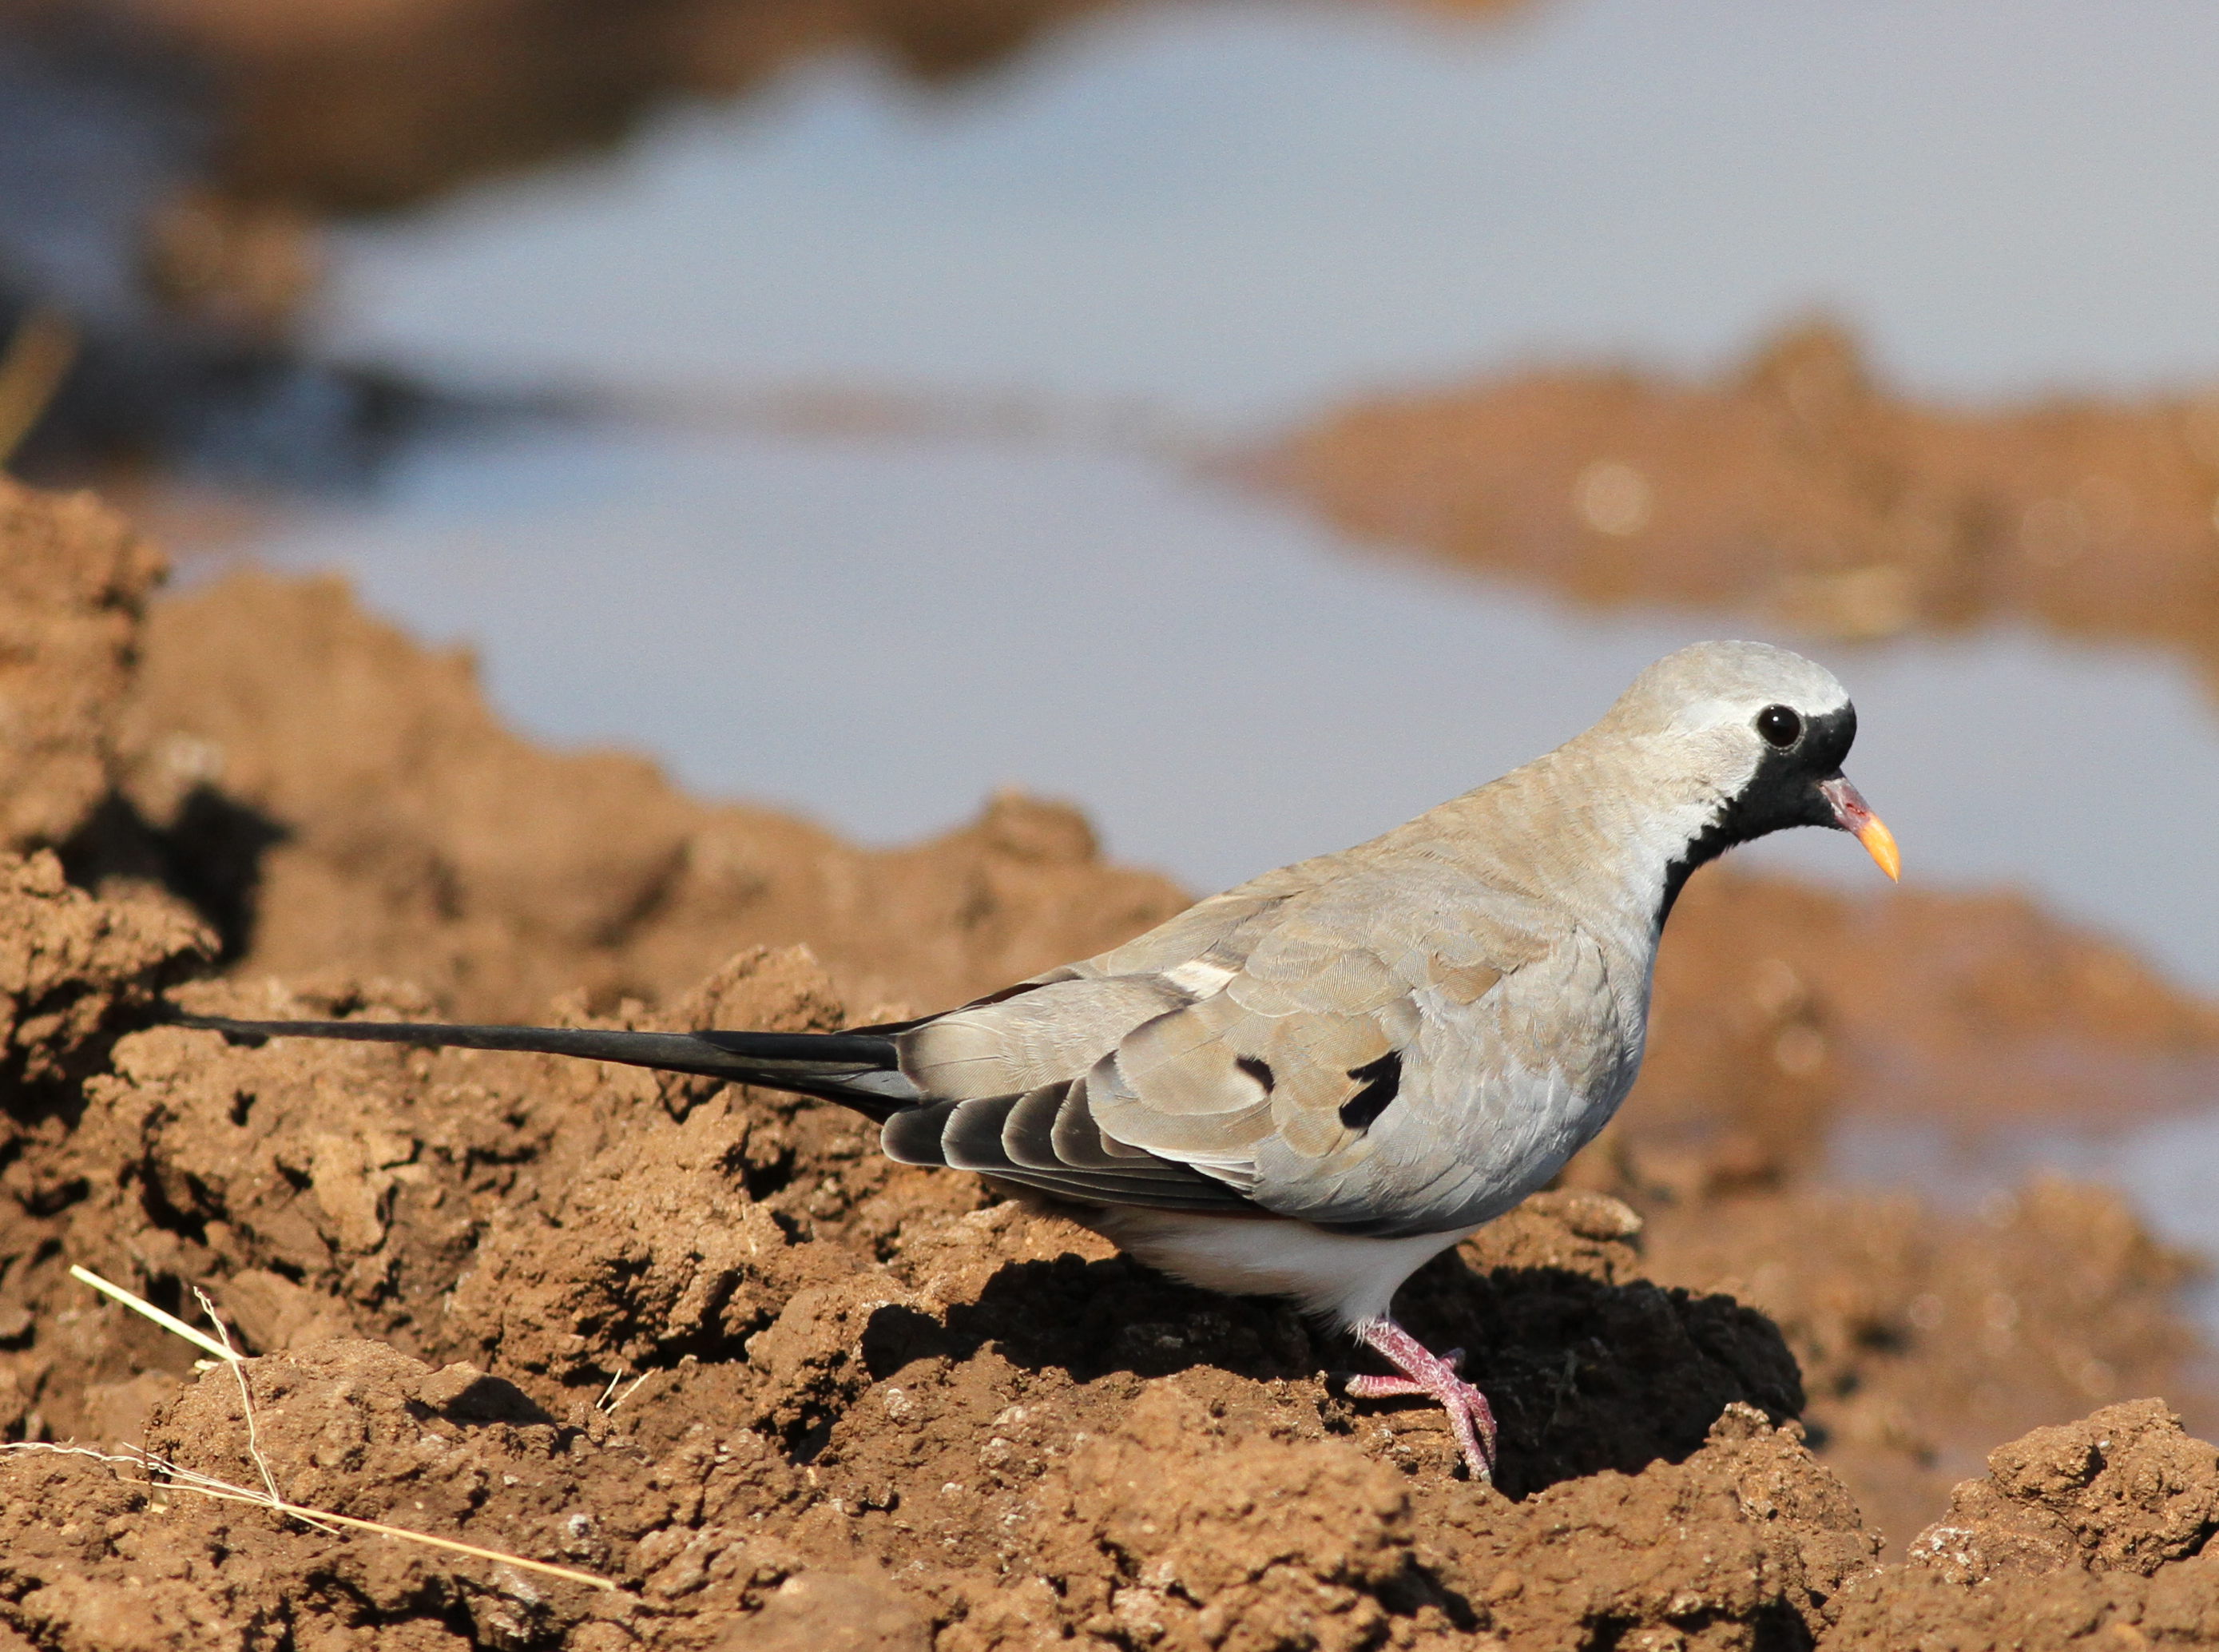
(1274, 1019)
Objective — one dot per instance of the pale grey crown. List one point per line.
(1707, 684)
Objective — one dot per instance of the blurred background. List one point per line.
(1253, 422)
(1257, 422)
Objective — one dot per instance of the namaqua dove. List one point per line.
(1307, 1086)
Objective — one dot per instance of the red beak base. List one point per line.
(1853, 815)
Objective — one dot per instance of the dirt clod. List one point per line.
(2089, 1534)
(2124, 1490)
(72, 589)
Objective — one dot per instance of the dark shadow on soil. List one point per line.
(210, 856)
(1584, 1375)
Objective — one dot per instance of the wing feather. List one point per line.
(1028, 1129)
(975, 1133)
(1254, 1027)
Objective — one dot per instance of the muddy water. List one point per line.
(1231, 215)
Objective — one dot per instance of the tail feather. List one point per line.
(860, 1070)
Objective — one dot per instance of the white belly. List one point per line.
(1339, 1277)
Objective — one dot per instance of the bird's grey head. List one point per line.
(1757, 736)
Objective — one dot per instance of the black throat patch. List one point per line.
(1783, 792)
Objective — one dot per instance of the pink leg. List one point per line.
(1434, 1376)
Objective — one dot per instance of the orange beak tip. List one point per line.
(1879, 843)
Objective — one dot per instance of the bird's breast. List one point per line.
(1501, 1094)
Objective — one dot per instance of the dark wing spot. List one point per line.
(1257, 1068)
(1378, 1084)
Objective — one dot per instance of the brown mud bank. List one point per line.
(346, 106)
(708, 1345)
(1799, 488)
(355, 105)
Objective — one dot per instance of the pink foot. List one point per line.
(1433, 1376)
(1399, 1387)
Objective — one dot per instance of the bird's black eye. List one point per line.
(1779, 725)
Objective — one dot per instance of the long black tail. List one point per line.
(860, 1070)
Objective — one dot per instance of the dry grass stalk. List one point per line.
(224, 1491)
(169, 1322)
(245, 1398)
